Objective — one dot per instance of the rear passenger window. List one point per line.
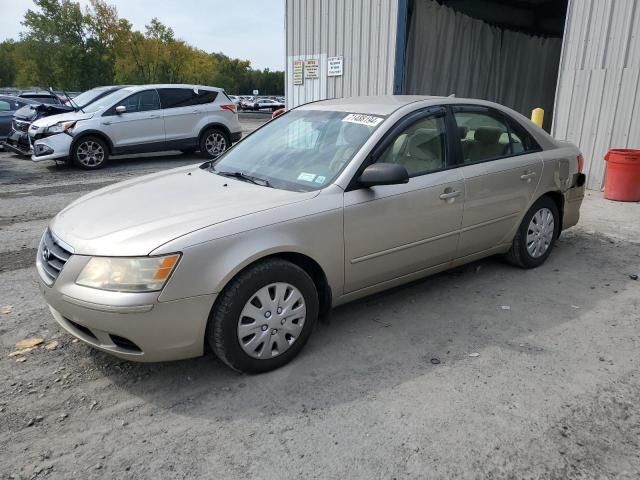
(484, 136)
(185, 97)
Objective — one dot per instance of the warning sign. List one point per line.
(311, 69)
(298, 67)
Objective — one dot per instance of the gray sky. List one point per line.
(247, 29)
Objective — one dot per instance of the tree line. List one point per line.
(67, 47)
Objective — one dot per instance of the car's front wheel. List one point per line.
(214, 142)
(90, 153)
(536, 235)
(263, 318)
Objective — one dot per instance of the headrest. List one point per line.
(462, 132)
(488, 135)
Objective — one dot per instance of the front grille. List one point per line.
(53, 255)
(20, 126)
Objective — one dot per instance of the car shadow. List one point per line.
(377, 343)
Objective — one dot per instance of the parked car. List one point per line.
(18, 137)
(139, 119)
(264, 104)
(245, 252)
(42, 97)
(8, 106)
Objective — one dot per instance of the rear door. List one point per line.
(396, 230)
(184, 110)
(140, 128)
(501, 168)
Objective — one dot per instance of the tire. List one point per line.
(90, 153)
(214, 142)
(227, 324)
(527, 239)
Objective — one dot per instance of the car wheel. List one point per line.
(214, 142)
(263, 318)
(90, 153)
(538, 231)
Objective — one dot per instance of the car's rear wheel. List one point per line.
(263, 318)
(90, 153)
(214, 142)
(536, 235)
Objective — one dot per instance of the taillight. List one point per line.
(231, 108)
(580, 163)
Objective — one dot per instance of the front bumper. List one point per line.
(54, 147)
(132, 326)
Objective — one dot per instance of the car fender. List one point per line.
(85, 133)
(207, 267)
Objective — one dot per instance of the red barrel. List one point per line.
(622, 181)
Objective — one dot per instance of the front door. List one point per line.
(501, 170)
(395, 230)
(140, 128)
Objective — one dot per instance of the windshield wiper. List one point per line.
(247, 178)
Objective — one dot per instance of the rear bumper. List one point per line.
(572, 202)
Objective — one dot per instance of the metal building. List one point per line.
(579, 59)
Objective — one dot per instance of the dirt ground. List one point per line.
(388, 389)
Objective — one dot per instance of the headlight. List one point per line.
(132, 274)
(61, 127)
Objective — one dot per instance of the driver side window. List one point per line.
(421, 148)
(142, 101)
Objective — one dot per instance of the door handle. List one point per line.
(527, 176)
(448, 195)
(106, 123)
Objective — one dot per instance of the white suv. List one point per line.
(139, 119)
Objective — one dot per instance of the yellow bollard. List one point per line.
(537, 116)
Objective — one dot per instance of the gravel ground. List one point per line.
(387, 389)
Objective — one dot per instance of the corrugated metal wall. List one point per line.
(598, 97)
(363, 32)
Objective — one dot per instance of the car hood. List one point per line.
(62, 117)
(137, 216)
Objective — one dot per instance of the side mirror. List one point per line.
(120, 109)
(383, 174)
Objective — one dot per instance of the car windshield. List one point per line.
(106, 101)
(87, 97)
(302, 150)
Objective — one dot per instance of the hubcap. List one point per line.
(215, 144)
(271, 321)
(90, 153)
(540, 232)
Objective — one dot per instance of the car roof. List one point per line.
(135, 88)
(374, 105)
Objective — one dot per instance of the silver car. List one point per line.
(139, 119)
(328, 203)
